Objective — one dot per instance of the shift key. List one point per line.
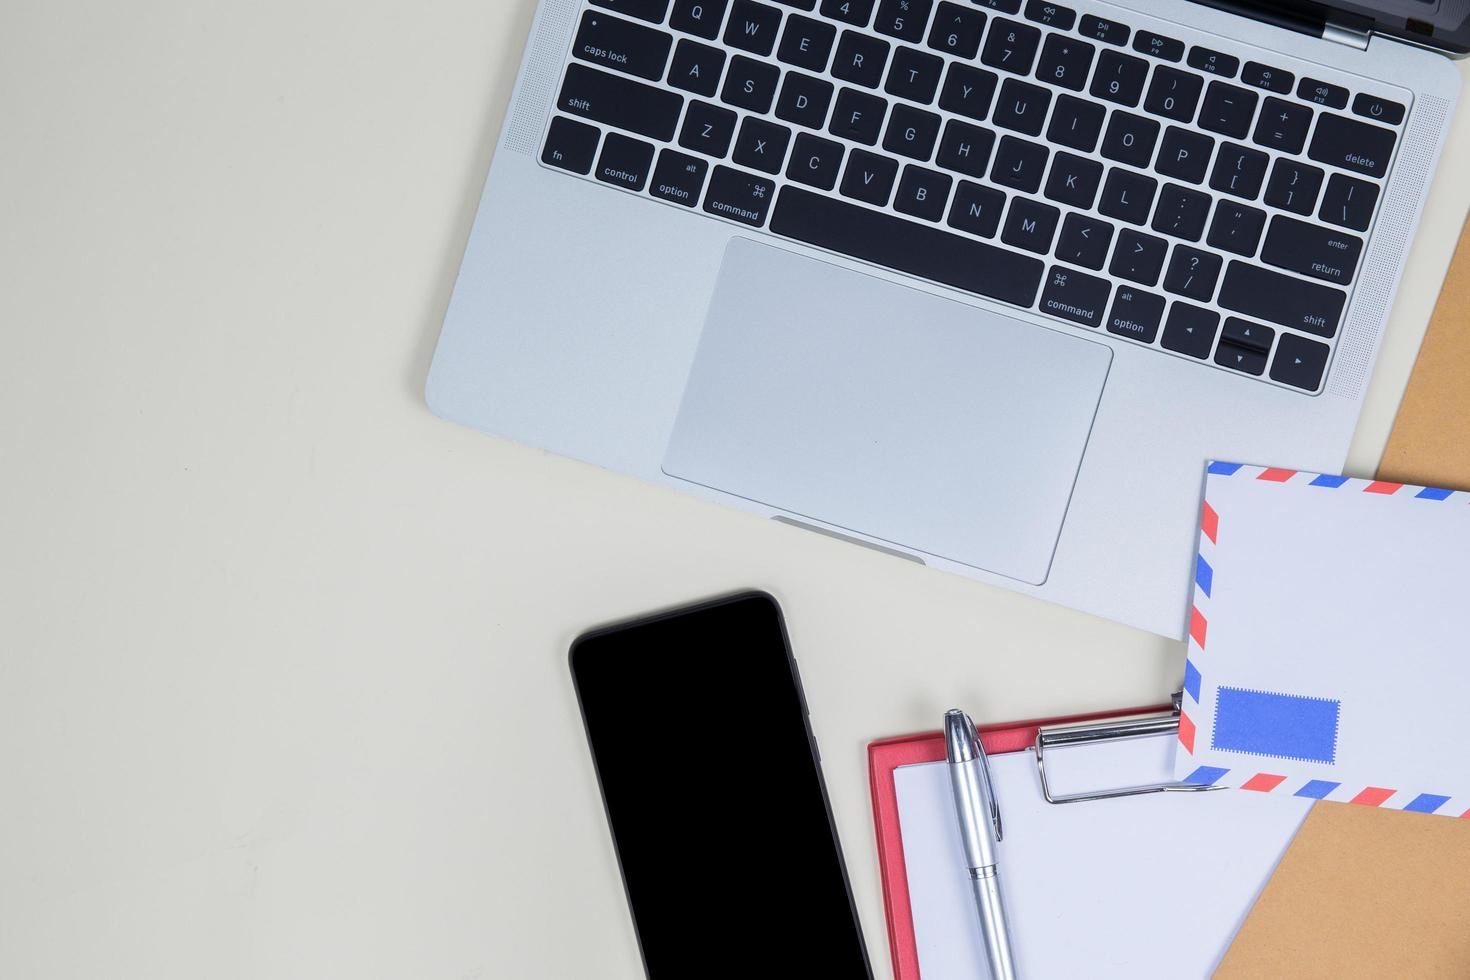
(1285, 300)
(620, 102)
(622, 45)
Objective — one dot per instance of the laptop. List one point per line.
(980, 283)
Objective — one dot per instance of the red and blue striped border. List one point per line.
(1204, 585)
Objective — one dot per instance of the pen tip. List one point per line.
(959, 736)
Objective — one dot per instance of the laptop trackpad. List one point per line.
(922, 422)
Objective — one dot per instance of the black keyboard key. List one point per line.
(1284, 300)
(815, 161)
(1136, 314)
(1193, 273)
(1181, 213)
(698, 17)
(1107, 31)
(622, 45)
(967, 90)
(1158, 46)
(1130, 139)
(860, 59)
(1271, 79)
(1119, 78)
(697, 68)
(1184, 155)
(707, 129)
(914, 75)
(1299, 362)
(1011, 46)
(1000, 6)
(1030, 225)
(650, 10)
(976, 209)
(1075, 123)
(800, 4)
(1283, 125)
(1236, 228)
(1019, 164)
(1378, 110)
(903, 19)
(1127, 196)
(1021, 106)
(624, 162)
(1245, 359)
(741, 196)
(1352, 145)
(1293, 187)
(922, 193)
(857, 116)
(1213, 62)
(1051, 14)
(1173, 94)
(1138, 257)
(1348, 202)
(804, 100)
(1228, 109)
(1074, 180)
(678, 178)
(750, 84)
(1322, 253)
(869, 177)
(1322, 93)
(1190, 330)
(1065, 61)
(761, 145)
(1239, 171)
(806, 43)
(965, 149)
(752, 27)
(1084, 240)
(911, 132)
(956, 30)
(907, 246)
(855, 12)
(620, 102)
(570, 145)
(1244, 333)
(1074, 296)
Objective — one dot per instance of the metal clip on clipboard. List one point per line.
(1111, 731)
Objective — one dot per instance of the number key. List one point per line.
(1065, 62)
(1011, 46)
(1119, 78)
(1173, 94)
(856, 12)
(957, 30)
(903, 19)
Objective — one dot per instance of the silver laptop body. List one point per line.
(688, 269)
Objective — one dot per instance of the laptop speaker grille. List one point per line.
(538, 80)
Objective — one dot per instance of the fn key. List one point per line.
(570, 145)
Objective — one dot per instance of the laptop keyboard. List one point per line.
(1207, 204)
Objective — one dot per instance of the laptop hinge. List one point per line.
(1305, 18)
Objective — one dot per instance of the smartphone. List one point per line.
(711, 780)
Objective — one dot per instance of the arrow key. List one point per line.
(1299, 362)
(1190, 330)
(1243, 333)
(1240, 358)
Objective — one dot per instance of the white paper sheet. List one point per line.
(1145, 886)
(1327, 655)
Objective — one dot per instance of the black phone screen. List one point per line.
(720, 819)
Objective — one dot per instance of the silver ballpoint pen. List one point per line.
(975, 804)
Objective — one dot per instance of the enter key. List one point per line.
(1323, 253)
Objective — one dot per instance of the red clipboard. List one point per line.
(886, 755)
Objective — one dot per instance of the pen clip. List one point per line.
(989, 786)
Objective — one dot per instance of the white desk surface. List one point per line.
(283, 683)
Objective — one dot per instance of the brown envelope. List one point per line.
(1362, 892)
(1430, 442)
